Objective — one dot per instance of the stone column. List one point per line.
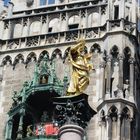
(10, 29)
(41, 24)
(122, 13)
(119, 127)
(1, 28)
(122, 9)
(108, 127)
(103, 130)
(100, 129)
(80, 16)
(131, 60)
(86, 18)
(120, 85)
(67, 21)
(28, 26)
(108, 83)
(71, 132)
(129, 128)
(100, 13)
(102, 81)
(108, 10)
(47, 24)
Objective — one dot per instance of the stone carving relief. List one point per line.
(52, 39)
(13, 44)
(91, 34)
(115, 76)
(72, 36)
(32, 42)
(63, 16)
(25, 22)
(83, 13)
(103, 10)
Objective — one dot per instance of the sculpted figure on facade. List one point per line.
(80, 69)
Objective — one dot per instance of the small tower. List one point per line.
(117, 97)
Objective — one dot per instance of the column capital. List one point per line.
(121, 57)
(131, 60)
(108, 58)
(130, 119)
(102, 64)
(100, 123)
(22, 112)
(107, 118)
(119, 115)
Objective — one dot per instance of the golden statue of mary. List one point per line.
(80, 69)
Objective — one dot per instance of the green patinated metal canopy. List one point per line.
(35, 98)
(42, 107)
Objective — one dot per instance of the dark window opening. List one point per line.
(127, 18)
(73, 26)
(50, 30)
(116, 12)
(51, 1)
(126, 71)
(15, 126)
(112, 79)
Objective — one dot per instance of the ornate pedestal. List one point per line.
(72, 113)
(71, 132)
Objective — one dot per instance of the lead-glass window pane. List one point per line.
(51, 1)
(42, 2)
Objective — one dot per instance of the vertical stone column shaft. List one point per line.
(41, 23)
(120, 72)
(47, 24)
(71, 132)
(102, 80)
(10, 9)
(109, 128)
(108, 75)
(119, 127)
(122, 9)
(131, 76)
(86, 16)
(28, 26)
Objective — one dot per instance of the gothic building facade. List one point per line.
(35, 35)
